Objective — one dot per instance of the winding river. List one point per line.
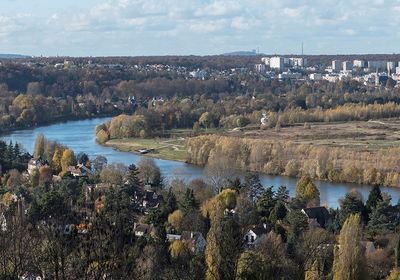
(80, 136)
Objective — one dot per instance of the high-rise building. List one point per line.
(391, 66)
(377, 65)
(336, 65)
(347, 66)
(260, 67)
(276, 63)
(298, 62)
(359, 63)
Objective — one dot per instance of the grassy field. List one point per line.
(164, 148)
(172, 148)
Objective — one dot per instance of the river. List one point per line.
(80, 136)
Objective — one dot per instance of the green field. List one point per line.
(164, 148)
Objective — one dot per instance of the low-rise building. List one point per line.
(315, 76)
(317, 216)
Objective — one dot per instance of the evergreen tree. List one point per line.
(266, 203)
(253, 184)
(132, 180)
(352, 204)
(282, 194)
(279, 212)
(170, 203)
(306, 190)
(381, 217)
(189, 201)
(349, 259)
(374, 197)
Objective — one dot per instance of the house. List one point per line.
(36, 164)
(194, 240)
(80, 171)
(30, 276)
(253, 235)
(151, 200)
(144, 230)
(317, 216)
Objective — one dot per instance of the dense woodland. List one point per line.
(54, 226)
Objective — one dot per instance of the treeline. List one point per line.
(12, 156)
(347, 112)
(336, 164)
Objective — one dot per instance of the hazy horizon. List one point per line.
(155, 28)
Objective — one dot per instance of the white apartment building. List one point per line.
(266, 60)
(359, 63)
(276, 63)
(347, 66)
(260, 67)
(336, 65)
(391, 66)
(298, 62)
(315, 76)
(398, 70)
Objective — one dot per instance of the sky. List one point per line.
(198, 27)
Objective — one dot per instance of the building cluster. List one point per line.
(374, 72)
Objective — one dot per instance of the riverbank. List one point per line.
(80, 137)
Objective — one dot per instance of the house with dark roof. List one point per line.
(317, 216)
(80, 171)
(151, 200)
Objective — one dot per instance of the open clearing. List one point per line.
(164, 148)
(371, 135)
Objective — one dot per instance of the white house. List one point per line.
(254, 234)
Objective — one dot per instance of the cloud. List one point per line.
(198, 26)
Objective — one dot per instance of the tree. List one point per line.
(67, 159)
(45, 175)
(253, 184)
(205, 119)
(282, 194)
(306, 190)
(352, 204)
(266, 203)
(39, 146)
(175, 220)
(132, 181)
(149, 172)
(223, 244)
(381, 218)
(189, 201)
(56, 161)
(374, 197)
(349, 260)
(177, 248)
(298, 223)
